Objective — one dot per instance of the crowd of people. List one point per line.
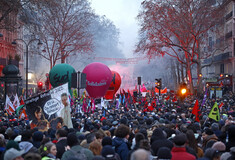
(133, 131)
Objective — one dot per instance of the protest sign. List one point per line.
(45, 109)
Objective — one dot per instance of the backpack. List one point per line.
(79, 155)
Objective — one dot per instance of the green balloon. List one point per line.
(61, 74)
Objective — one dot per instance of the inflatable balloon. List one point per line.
(114, 86)
(98, 79)
(61, 74)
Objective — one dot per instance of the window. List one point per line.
(222, 68)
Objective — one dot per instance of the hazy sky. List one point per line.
(123, 13)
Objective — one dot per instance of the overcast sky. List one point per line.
(123, 13)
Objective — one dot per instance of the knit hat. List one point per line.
(215, 126)
(219, 146)
(12, 154)
(37, 136)
(180, 139)
(12, 144)
(209, 131)
(72, 139)
(106, 141)
(108, 152)
(164, 153)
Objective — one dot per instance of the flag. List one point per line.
(164, 91)
(196, 110)
(9, 106)
(167, 98)
(214, 113)
(18, 109)
(23, 114)
(16, 102)
(221, 104)
(123, 100)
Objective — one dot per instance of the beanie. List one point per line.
(164, 153)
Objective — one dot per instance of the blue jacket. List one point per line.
(121, 147)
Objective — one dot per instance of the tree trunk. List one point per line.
(190, 80)
(178, 72)
(182, 73)
(199, 80)
(173, 73)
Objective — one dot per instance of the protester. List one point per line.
(13, 154)
(120, 141)
(140, 154)
(61, 144)
(139, 128)
(179, 150)
(75, 149)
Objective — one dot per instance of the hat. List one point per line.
(215, 126)
(180, 139)
(209, 131)
(12, 144)
(18, 138)
(103, 118)
(115, 123)
(219, 146)
(72, 139)
(108, 152)
(37, 136)
(164, 153)
(12, 154)
(106, 141)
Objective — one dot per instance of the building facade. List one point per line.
(221, 65)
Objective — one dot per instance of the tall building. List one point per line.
(8, 51)
(221, 71)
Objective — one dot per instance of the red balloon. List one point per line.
(98, 79)
(114, 86)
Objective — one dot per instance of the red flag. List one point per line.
(196, 110)
(23, 115)
(221, 104)
(167, 98)
(174, 99)
(21, 102)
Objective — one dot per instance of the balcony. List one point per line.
(228, 35)
(229, 15)
(218, 58)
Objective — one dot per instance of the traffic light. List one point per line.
(158, 83)
(40, 84)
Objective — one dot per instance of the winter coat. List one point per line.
(68, 154)
(231, 138)
(121, 147)
(179, 153)
(60, 147)
(158, 140)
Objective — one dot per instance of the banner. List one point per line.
(47, 109)
(214, 113)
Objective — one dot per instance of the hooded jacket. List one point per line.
(231, 138)
(121, 147)
(158, 140)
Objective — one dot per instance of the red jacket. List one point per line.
(179, 153)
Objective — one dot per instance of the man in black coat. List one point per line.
(61, 135)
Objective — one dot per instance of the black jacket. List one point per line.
(60, 146)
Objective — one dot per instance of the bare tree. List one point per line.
(64, 28)
(175, 28)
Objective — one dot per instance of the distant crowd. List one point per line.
(143, 129)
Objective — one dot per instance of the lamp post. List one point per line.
(27, 57)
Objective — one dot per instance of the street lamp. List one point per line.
(27, 57)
